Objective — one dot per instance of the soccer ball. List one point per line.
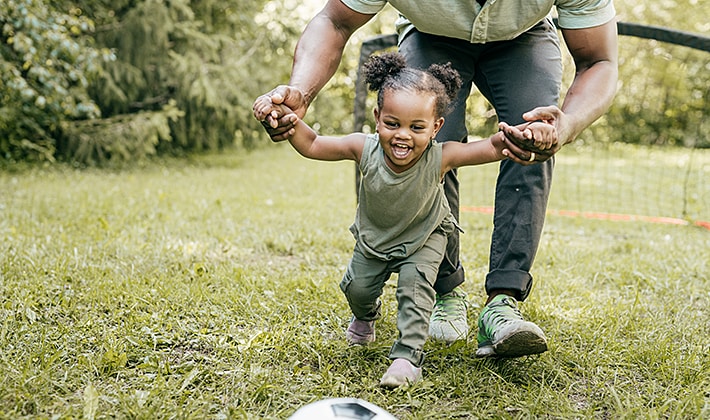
(341, 409)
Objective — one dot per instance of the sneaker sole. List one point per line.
(359, 342)
(392, 382)
(522, 343)
(524, 340)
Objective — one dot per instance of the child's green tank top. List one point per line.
(397, 212)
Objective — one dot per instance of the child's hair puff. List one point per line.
(390, 71)
(448, 77)
(379, 67)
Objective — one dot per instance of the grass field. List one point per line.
(208, 288)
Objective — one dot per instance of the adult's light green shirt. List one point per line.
(497, 20)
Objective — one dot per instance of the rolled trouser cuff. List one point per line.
(447, 284)
(516, 280)
(400, 351)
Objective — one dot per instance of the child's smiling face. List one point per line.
(406, 123)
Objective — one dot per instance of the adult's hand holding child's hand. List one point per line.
(520, 142)
(280, 125)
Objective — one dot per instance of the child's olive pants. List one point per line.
(364, 281)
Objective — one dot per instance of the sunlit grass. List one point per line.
(208, 288)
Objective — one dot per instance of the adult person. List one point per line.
(510, 51)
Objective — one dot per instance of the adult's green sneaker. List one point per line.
(502, 331)
(448, 320)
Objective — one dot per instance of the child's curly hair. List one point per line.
(390, 71)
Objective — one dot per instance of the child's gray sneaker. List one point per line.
(401, 372)
(360, 333)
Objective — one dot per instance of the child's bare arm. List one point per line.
(492, 149)
(305, 140)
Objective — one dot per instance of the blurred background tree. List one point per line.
(663, 96)
(184, 78)
(663, 89)
(96, 81)
(46, 63)
(122, 80)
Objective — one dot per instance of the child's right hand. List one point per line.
(264, 107)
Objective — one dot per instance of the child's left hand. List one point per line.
(520, 142)
(542, 135)
(533, 141)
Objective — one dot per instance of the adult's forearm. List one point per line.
(318, 54)
(589, 97)
(595, 54)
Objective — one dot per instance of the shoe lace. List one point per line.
(448, 305)
(501, 312)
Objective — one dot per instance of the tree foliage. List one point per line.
(662, 97)
(169, 76)
(663, 90)
(200, 56)
(95, 81)
(46, 63)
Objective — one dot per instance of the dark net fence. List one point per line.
(648, 158)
